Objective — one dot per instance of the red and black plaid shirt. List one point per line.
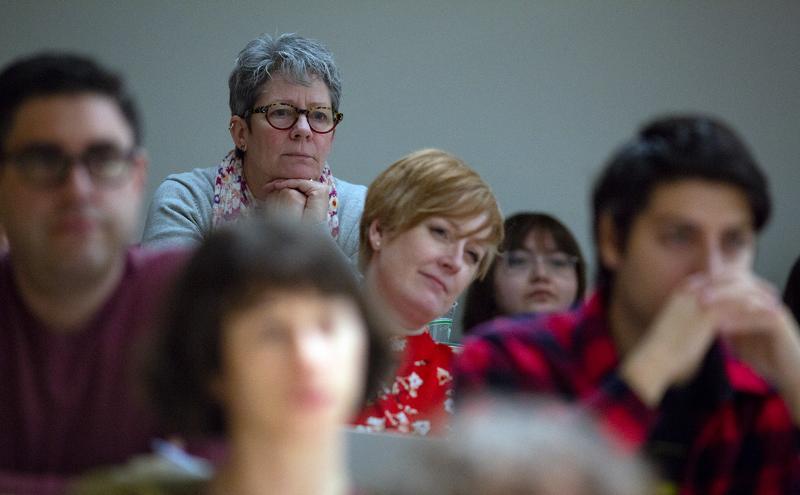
(739, 436)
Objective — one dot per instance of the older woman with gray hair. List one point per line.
(284, 101)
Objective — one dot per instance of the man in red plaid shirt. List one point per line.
(683, 352)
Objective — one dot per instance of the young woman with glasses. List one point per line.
(540, 270)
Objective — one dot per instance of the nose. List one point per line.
(77, 183)
(301, 129)
(453, 257)
(539, 268)
(309, 350)
(713, 259)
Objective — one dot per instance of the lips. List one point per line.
(300, 155)
(75, 223)
(540, 294)
(437, 282)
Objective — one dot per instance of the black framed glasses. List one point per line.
(283, 116)
(48, 166)
(522, 261)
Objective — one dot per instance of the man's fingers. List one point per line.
(737, 292)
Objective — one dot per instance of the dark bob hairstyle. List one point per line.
(480, 301)
(228, 272)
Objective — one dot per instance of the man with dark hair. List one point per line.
(683, 352)
(74, 298)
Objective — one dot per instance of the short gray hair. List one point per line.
(506, 445)
(297, 58)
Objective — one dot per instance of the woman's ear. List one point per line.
(239, 131)
(375, 234)
(608, 242)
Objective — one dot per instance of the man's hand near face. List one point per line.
(741, 309)
(671, 350)
(761, 330)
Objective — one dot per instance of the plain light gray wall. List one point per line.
(535, 95)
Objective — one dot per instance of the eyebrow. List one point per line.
(543, 251)
(48, 146)
(463, 235)
(670, 220)
(289, 101)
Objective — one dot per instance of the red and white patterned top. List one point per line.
(419, 400)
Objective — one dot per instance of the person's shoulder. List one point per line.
(525, 327)
(349, 190)
(564, 327)
(495, 352)
(145, 258)
(193, 190)
(351, 205)
(154, 267)
(556, 332)
(351, 199)
(181, 210)
(198, 177)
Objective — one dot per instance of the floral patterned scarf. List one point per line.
(234, 200)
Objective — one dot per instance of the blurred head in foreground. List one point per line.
(500, 447)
